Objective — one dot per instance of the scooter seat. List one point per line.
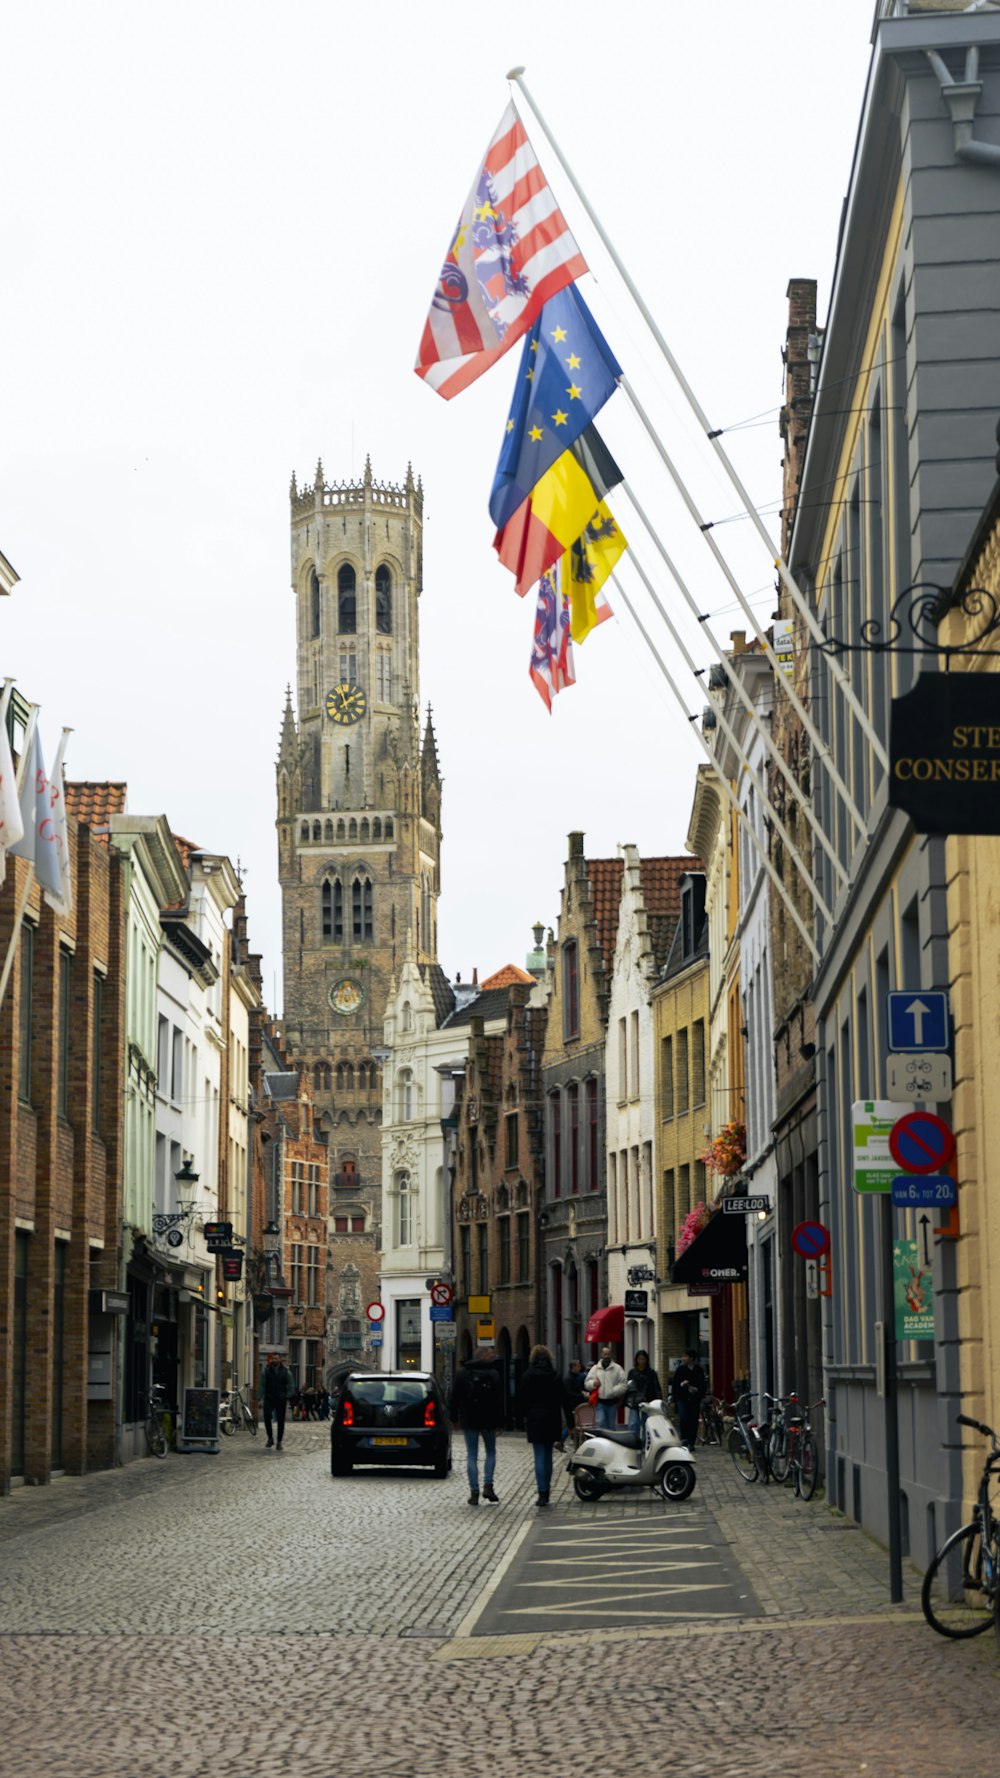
(631, 1440)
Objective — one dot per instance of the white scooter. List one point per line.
(652, 1458)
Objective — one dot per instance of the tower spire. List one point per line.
(288, 748)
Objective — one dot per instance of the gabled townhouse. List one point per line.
(649, 905)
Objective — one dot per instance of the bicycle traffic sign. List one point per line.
(921, 1142)
(810, 1239)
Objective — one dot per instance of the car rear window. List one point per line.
(390, 1391)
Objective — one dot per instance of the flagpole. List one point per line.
(712, 434)
(772, 749)
(727, 729)
(740, 812)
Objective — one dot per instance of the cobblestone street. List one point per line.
(250, 1611)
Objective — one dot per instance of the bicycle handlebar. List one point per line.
(977, 1426)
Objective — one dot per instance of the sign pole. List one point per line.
(891, 1403)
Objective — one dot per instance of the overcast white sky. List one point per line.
(221, 226)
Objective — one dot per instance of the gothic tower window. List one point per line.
(361, 907)
(314, 606)
(383, 601)
(376, 829)
(347, 601)
(405, 1209)
(383, 676)
(333, 909)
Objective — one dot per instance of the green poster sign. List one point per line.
(871, 1123)
(913, 1292)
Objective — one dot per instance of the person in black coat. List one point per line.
(643, 1385)
(542, 1401)
(687, 1388)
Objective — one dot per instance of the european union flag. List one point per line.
(568, 371)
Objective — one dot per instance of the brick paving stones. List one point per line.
(251, 1613)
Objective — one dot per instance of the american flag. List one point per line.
(551, 665)
(511, 251)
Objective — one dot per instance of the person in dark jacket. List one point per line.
(643, 1385)
(575, 1393)
(687, 1388)
(542, 1401)
(276, 1387)
(477, 1406)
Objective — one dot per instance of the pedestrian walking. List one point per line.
(574, 1393)
(477, 1406)
(643, 1384)
(608, 1379)
(309, 1402)
(276, 1387)
(542, 1399)
(687, 1386)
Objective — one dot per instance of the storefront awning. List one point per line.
(718, 1255)
(606, 1324)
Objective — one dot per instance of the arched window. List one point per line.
(405, 1209)
(365, 834)
(314, 607)
(305, 830)
(341, 833)
(352, 830)
(377, 828)
(317, 831)
(361, 907)
(347, 601)
(362, 1076)
(328, 832)
(340, 1077)
(388, 829)
(349, 1077)
(407, 1016)
(333, 910)
(383, 601)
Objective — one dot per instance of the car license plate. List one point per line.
(390, 1441)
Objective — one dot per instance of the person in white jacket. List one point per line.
(608, 1378)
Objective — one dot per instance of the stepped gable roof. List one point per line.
(94, 803)
(661, 893)
(505, 976)
(491, 1005)
(442, 993)
(605, 878)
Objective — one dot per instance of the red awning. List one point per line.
(606, 1324)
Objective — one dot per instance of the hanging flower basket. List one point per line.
(696, 1219)
(727, 1155)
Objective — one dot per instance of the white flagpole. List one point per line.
(781, 887)
(711, 433)
(770, 745)
(727, 729)
(815, 737)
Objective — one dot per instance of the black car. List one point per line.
(396, 1417)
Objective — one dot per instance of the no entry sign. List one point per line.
(810, 1239)
(921, 1143)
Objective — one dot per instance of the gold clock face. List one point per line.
(346, 703)
(347, 997)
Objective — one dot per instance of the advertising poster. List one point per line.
(913, 1293)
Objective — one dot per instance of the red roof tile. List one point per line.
(605, 878)
(94, 803)
(186, 848)
(661, 894)
(505, 976)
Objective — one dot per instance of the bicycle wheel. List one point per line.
(227, 1423)
(777, 1453)
(953, 1598)
(156, 1438)
(742, 1456)
(249, 1419)
(808, 1466)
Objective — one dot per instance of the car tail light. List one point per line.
(429, 1419)
(348, 1417)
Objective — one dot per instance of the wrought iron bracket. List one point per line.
(916, 614)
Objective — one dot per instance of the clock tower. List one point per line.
(359, 823)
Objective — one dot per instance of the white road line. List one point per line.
(483, 1597)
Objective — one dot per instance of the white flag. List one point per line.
(63, 902)
(39, 841)
(11, 825)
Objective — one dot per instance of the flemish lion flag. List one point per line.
(557, 510)
(586, 567)
(510, 252)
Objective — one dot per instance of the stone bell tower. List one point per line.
(359, 809)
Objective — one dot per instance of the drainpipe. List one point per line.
(961, 98)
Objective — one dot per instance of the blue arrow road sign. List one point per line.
(924, 1188)
(917, 1020)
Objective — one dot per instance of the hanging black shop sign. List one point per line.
(944, 753)
(232, 1266)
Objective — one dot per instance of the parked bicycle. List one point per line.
(961, 1591)
(745, 1444)
(235, 1415)
(156, 1407)
(801, 1448)
(711, 1429)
